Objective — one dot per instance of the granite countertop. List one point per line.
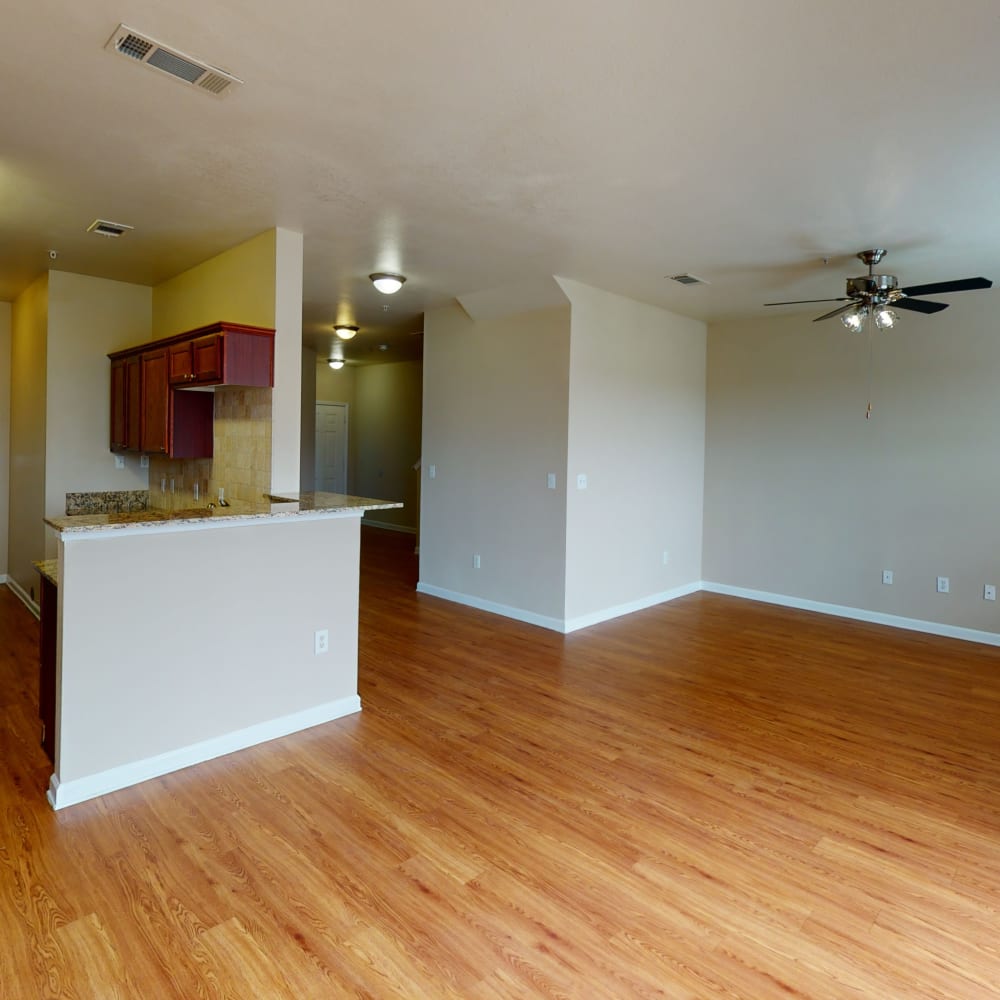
(268, 507)
(49, 568)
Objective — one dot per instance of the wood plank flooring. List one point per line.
(712, 798)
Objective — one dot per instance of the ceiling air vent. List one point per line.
(141, 48)
(687, 279)
(101, 227)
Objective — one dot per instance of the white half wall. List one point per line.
(806, 498)
(216, 643)
(637, 432)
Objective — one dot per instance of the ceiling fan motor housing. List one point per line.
(876, 288)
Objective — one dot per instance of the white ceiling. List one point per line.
(476, 146)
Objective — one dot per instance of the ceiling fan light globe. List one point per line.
(854, 321)
(885, 319)
(336, 363)
(345, 332)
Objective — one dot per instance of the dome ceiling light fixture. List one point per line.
(387, 284)
(345, 332)
(336, 363)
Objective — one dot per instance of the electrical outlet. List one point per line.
(476, 561)
(321, 641)
(550, 480)
(887, 577)
(119, 461)
(666, 557)
(432, 471)
(581, 481)
(144, 461)
(943, 585)
(989, 592)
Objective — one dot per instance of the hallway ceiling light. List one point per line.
(387, 284)
(345, 332)
(336, 363)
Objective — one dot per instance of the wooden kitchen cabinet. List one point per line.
(152, 409)
(125, 408)
(223, 354)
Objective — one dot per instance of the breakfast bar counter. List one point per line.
(188, 634)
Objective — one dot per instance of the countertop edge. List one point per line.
(286, 509)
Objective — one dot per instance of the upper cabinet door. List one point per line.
(180, 364)
(207, 358)
(155, 401)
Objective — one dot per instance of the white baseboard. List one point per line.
(857, 614)
(388, 526)
(68, 793)
(518, 614)
(596, 617)
(558, 624)
(24, 597)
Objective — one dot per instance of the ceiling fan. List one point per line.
(879, 295)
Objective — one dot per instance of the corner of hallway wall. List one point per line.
(5, 380)
(495, 399)
(388, 425)
(637, 431)
(307, 448)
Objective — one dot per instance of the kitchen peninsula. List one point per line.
(185, 635)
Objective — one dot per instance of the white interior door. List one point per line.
(331, 447)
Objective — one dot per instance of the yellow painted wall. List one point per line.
(237, 286)
(26, 532)
(5, 311)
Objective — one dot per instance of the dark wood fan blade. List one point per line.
(940, 287)
(835, 312)
(919, 305)
(803, 302)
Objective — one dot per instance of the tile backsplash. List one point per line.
(241, 464)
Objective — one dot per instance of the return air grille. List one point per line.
(687, 279)
(141, 48)
(101, 227)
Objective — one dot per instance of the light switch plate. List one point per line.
(119, 461)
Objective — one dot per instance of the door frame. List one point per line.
(347, 439)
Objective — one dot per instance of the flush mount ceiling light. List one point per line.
(345, 332)
(336, 363)
(387, 284)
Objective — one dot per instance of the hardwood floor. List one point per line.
(712, 798)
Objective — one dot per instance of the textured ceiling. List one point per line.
(476, 147)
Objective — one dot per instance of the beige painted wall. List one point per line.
(636, 430)
(286, 403)
(244, 628)
(494, 424)
(388, 420)
(87, 319)
(806, 498)
(307, 446)
(26, 532)
(5, 321)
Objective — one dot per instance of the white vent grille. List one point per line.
(101, 227)
(141, 48)
(687, 279)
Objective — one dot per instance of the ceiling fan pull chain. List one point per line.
(871, 364)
